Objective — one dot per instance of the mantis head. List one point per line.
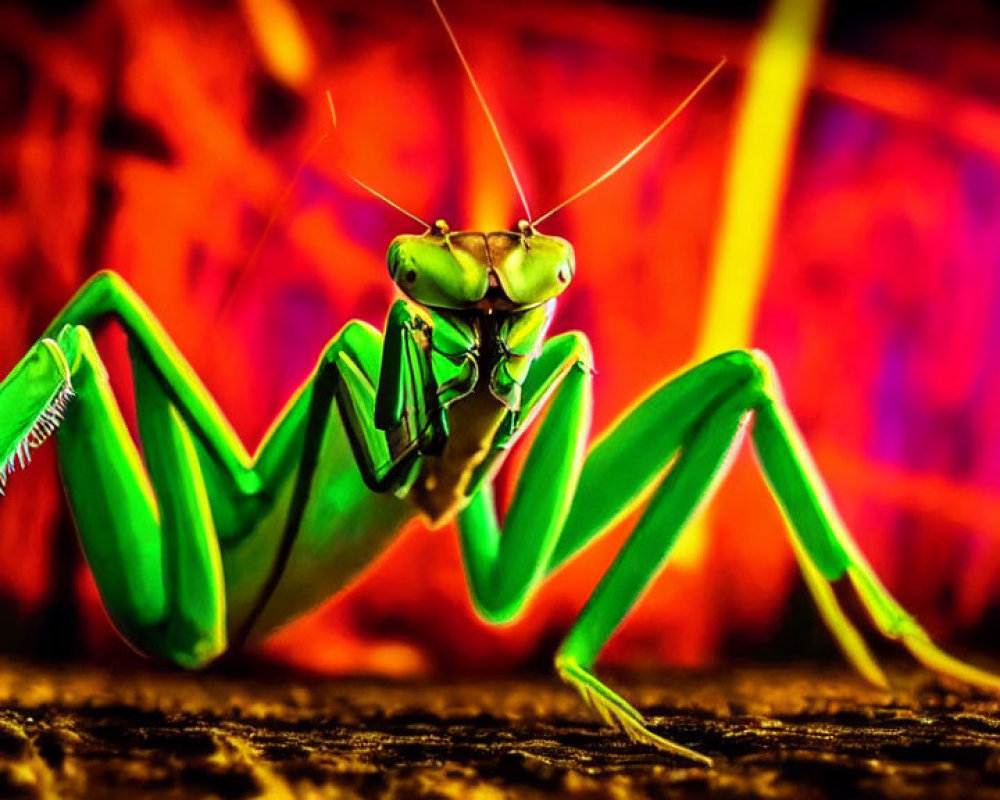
(499, 270)
(495, 271)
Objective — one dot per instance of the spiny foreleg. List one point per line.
(151, 525)
(33, 399)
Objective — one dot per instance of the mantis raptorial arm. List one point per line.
(402, 427)
(29, 415)
(405, 371)
(672, 447)
(151, 526)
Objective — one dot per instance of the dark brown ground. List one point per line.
(792, 733)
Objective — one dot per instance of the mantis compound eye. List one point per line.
(440, 228)
(525, 229)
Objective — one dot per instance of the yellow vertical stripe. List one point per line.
(770, 108)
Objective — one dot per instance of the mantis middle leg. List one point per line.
(672, 448)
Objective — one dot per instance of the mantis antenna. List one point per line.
(486, 108)
(309, 156)
(361, 183)
(638, 148)
(251, 260)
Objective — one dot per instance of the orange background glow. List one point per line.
(156, 139)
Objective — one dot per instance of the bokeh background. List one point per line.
(831, 197)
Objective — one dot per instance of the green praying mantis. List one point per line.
(199, 544)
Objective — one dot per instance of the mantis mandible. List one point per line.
(199, 544)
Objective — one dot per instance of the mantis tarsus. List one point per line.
(199, 544)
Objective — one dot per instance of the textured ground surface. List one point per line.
(794, 733)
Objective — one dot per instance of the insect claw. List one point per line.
(617, 713)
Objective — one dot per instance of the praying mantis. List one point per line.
(199, 544)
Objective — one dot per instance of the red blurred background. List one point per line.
(157, 138)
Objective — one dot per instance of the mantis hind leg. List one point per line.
(823, 542)
(745, 386)
(701, 460)
(671, 448)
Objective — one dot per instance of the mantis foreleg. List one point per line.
(154, 553)
(151, 527)
(403, 425)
